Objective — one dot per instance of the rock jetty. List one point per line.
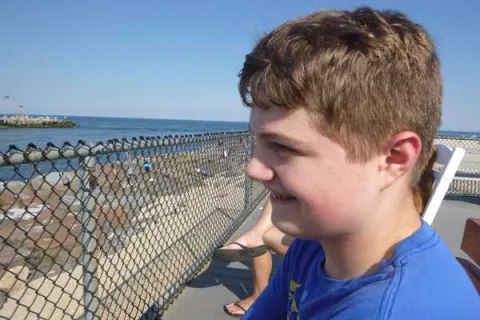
(24, 121)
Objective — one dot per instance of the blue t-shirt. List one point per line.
(421, 281)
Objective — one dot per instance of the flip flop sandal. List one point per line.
(237, 304)
(240, 254)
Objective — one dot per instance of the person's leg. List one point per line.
(261, 270)
(254, 236)
(276, 241)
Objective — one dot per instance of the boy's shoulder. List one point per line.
(428, 285)
(422, 281)
(433, 284)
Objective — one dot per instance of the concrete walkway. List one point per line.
(223, 282)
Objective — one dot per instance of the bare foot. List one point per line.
(244, 303)
(249, 239)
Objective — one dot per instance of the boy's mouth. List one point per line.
(278, 196)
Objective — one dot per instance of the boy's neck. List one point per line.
(360, 254)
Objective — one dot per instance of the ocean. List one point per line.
(94, 129)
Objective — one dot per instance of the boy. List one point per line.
(345, 108)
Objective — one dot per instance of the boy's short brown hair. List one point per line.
(364, 74)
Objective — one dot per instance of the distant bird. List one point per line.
(6, 97)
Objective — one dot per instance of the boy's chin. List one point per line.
(301, 232)
(290, 228)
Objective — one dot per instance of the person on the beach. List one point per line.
(345, 106)
(148, 166)
(92, 179)
(66, 180)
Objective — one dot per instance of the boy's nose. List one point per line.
(258, 170)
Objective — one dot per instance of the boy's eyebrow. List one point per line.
(282, 138)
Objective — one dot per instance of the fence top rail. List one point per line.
(464, 138)
(33, 153)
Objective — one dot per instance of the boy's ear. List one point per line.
(400, 154)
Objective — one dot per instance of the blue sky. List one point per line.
(180, 59)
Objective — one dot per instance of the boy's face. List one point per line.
(315, 192)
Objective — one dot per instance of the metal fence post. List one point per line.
(89, 242)
(248, 142)
(130, 171)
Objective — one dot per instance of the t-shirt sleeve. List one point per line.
(273, 301)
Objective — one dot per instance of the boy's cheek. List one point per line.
(329, 207)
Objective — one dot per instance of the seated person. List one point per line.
(345, 106)
(256, 243)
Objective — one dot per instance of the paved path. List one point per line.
(224, 282)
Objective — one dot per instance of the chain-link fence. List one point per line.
(114, 230)
(467, 178)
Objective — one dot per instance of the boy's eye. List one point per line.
(280, 147)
